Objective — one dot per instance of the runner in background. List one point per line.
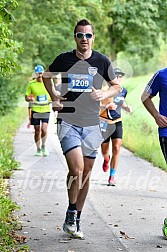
(112, 128)
(37, 95)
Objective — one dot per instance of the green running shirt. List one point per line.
(42, 98)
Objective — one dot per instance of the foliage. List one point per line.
(8, 221)
(8, 125)
(8, 95)
(9, 239)
(143, 67)
(136, 26)
(50, 30)
(46, 27)
(9, 49)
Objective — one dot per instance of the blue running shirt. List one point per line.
(158, 84)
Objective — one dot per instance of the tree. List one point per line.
(9, 48)
(45, 27)
(136, 26)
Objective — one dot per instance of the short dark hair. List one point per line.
(83, 22)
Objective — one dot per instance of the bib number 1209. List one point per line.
(80, 82)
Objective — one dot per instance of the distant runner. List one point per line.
(112, 128)
(39, 98)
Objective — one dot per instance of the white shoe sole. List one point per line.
(69, 229)
(78, 235)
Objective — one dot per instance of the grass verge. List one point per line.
(9, 239)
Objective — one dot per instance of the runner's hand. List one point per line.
(30, 98)
(97, 94)
(56, 93)
(161, 120)
(111, 106)
(57, 105)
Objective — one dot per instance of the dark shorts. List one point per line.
(116, 132)
(37, 118)
(163, 144)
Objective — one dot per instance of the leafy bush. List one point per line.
(9, 239)
(8, 95)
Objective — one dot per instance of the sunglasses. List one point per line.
(80, 35)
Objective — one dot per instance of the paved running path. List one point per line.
(127, 217)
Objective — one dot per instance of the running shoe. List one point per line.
(45, 152)
(78, 233)
(38, 153)
(69, 225)
(164, 228)
(111, 181)
(106, 164)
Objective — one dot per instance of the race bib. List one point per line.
(80, 82)
(103, 125)
(42, 98)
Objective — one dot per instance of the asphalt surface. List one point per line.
(127, 217)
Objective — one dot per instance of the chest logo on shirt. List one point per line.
(92, 70)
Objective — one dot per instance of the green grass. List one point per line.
(8, 222)
(140, 129)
